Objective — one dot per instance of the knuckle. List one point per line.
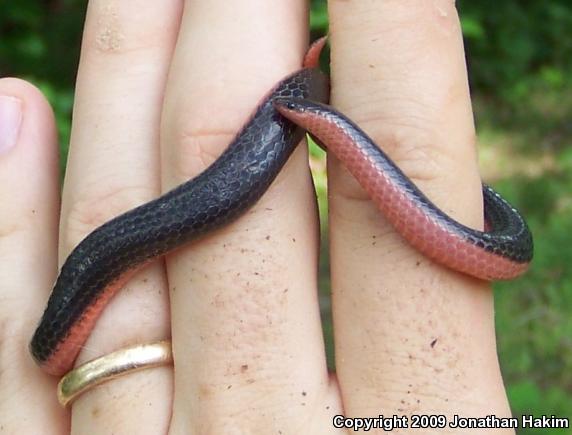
(411, 145)
(8, 229)
(198, 148)
(86, 214)
(413, 149)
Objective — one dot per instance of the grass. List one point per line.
(534, 314)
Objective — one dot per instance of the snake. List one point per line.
(104, 261)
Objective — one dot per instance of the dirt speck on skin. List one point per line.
(204, 390)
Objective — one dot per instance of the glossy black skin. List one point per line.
(225, 190)
(507, 234)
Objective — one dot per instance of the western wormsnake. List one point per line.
(105, 260)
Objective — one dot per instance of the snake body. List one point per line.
(105, 260)
(504, 251)
(109, 256)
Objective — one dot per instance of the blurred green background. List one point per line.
(520, 61)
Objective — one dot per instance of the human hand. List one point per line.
(244, 313)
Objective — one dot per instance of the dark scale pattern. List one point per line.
(510, 236)
(226, 189)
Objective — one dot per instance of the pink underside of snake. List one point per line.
(425, 234)
(63, 358)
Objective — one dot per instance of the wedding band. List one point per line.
(111, 366)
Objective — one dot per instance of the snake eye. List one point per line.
(285, 103)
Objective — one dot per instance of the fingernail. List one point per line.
(10, 120)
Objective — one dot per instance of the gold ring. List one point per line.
(111, 366)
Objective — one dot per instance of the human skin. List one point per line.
(162, 89)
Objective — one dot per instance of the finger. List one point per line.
(244, 306)
(114, 166)
(406, 329)
(29, 194)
